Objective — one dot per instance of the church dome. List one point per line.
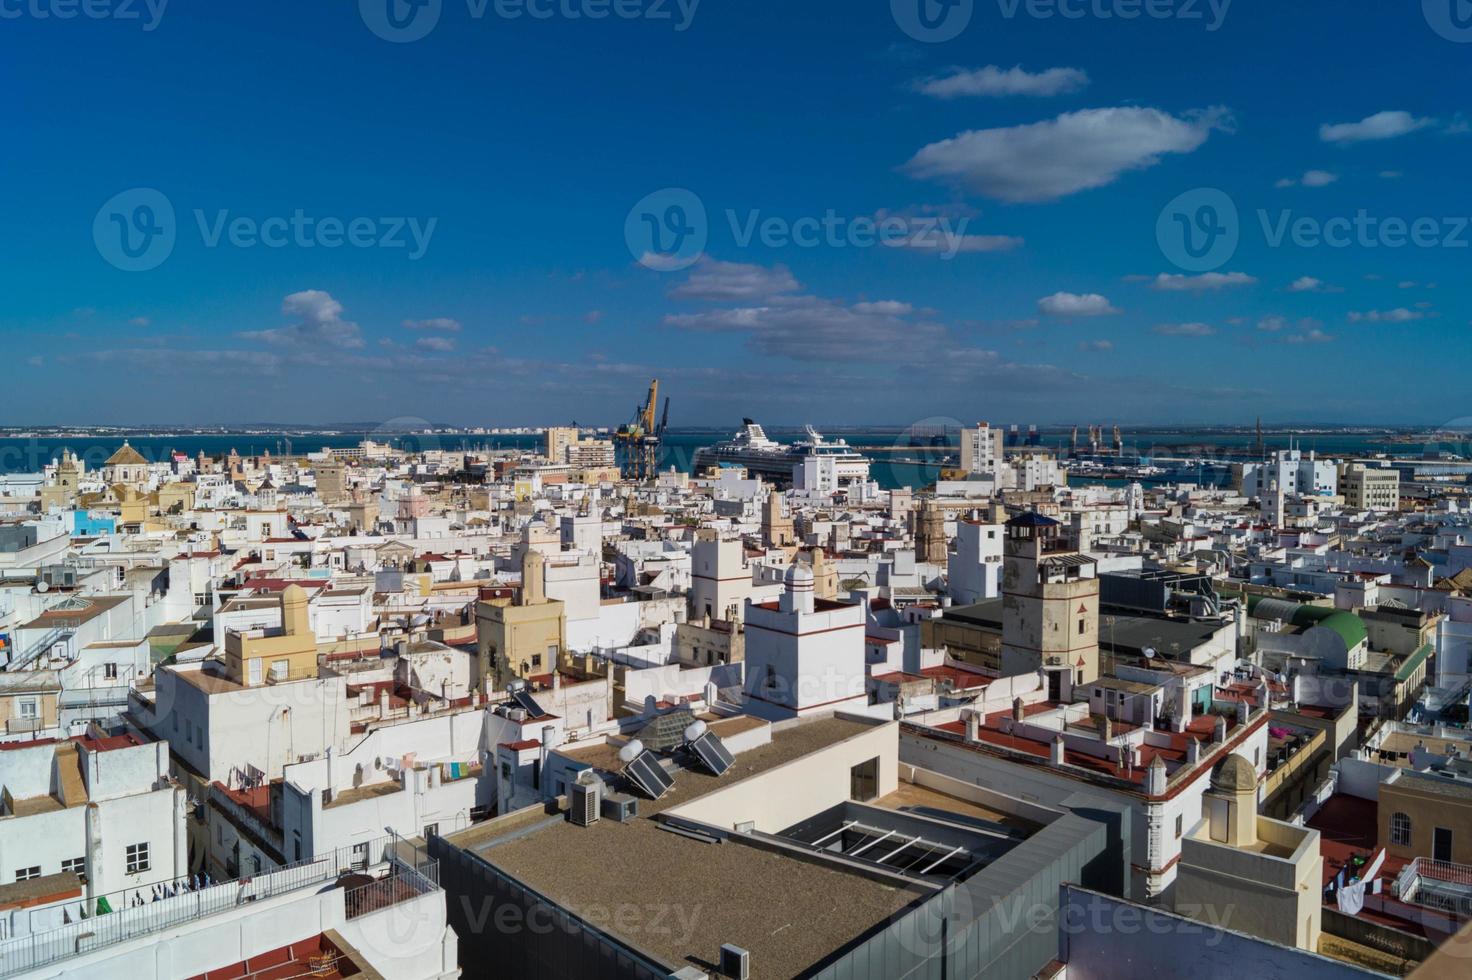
(798, 576)
(126, 456)
(1235, 775)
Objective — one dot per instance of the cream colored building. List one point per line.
(1369, 488)
(525, 639)
(981, 449)
(257, 657)
(1249, 873)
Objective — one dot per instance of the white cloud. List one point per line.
(949, 243)
(1313, 178)
(1308, 284)
(721, 282)
(440, 345)
(1398, 315)
(886, 307)
(1185, 330)
(1391, 174)
(443, 324)
(811, 328)
(663, 263)
(139, 321)
(319, 323)
(1100, 346)
(1075, 152)
(1312, 335)
(994, 81)
(1168, 282)
(1380, 126)
(1075, 304)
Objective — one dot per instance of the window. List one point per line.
(137, 859)
(1179, 821)
(26, 874)
(77, 866)
(110, 671)
(29, 709)
(1082, 627)
(431, 830)
(864, 781)
(1400, 828)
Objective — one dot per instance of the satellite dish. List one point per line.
(1149, 653)
(43, 586)
(631, 751)
(694, 730)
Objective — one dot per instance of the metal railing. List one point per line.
(98, 930)
(64, 631)
(1439, 885)
(403, 884)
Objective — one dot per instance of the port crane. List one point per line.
(641, 439)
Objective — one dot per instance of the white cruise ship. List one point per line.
(772, 460)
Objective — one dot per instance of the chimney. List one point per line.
(1193, 751)
(1057, 750)
(1106, 729)
(1017, 713)
(973, 726)
(1219, 731)
(1156, 777)
(1244, 711)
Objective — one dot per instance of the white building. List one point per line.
(982, 449)
(1291, 472)
(804, 656)
(975, 567)
(83, 820)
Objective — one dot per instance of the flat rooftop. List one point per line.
(789, 913)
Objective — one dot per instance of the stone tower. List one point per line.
(1050, 609)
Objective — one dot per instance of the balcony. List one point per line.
(348, 869)
(1439, 885)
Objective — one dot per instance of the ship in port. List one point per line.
(765, 457)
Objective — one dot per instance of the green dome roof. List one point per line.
(1349, 626)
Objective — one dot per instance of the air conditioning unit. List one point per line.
(619, 808)
(585, 801)
(735, 962)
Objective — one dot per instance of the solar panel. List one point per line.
(528, 703)
(649, 775)
(713, 754)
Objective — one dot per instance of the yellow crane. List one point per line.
(640, 439)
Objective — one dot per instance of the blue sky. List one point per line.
(488, 171)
